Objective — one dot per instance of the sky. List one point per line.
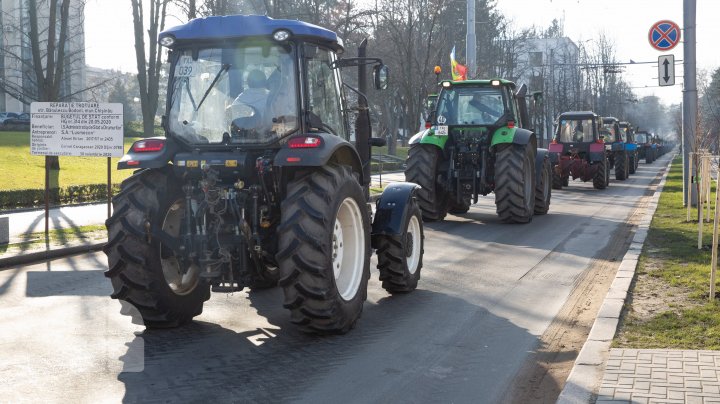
(109, 33)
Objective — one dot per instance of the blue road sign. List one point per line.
(664, 35)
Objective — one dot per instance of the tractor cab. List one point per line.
(616, 147)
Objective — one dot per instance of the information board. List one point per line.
(83, 129)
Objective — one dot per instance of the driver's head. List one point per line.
(256, 79)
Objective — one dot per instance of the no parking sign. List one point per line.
(664, 35)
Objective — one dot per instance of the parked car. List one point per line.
(7, 115)
(20, 122)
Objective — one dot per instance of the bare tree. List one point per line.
(148, 58)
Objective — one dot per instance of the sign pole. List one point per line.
(109, 188)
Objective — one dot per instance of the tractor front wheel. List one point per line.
(324, 250)
(400, 257)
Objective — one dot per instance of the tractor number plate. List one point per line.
(442, 130)
(185, 67)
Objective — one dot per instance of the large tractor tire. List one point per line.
(143, 272)
(422, 169)
(557, 180)
(400, 257)
(515, 183)
(632, 163)
(543, 190)
(621, 166)
(649, 156)
(602, 175)
(324, 250)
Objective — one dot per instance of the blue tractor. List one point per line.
(616, 147)
(258, 181)
(631, 146)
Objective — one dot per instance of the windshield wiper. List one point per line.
(225, 67)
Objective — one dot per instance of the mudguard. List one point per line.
(428, 137)
(631, 146)
(597, 152)
(540, 157)
(512, 135)
(332, 147)
(391, 209)
(156, 159)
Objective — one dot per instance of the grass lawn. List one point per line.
(21, 170)
(670, 306)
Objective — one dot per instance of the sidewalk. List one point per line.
(25, 230)
(608, 375)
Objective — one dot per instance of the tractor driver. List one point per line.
(256, 93)
(480, 103)
(578, 132)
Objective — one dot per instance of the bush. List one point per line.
(27, 198)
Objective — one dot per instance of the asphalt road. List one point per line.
(488, 291)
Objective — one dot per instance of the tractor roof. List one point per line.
(610, 119)
(578, 115)
(218, 28)
(480, 83)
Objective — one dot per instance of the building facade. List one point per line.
(18, 82)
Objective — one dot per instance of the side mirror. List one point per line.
(380, 76)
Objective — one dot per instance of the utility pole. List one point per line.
(690, 100)
(470, 41)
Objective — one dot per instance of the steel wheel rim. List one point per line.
(348, 258)
(180, 283)
(414, 236)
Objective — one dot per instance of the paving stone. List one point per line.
(611, 308)
(603, 330)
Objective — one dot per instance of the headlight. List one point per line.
(281, 35)
(167, 41)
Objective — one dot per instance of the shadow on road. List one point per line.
(404, 349)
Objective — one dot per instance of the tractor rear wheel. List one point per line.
(422, 169)
(632, 164)
(324, 250)
(649, 156)
(400, 257)
(621, 166)
(515, 183)
(600, 180)
(144, 272)
(543, 190)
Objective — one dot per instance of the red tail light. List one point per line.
(511, 124)
(428, 125)
(554, 141)
(305, 142)
(148, 145)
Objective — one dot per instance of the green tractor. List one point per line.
(258, 181)
(478, 143)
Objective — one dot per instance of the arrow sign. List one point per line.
(666, 70)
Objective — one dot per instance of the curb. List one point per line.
(584, 380)
(34, 257)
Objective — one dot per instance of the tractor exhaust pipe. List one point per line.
(362, 124)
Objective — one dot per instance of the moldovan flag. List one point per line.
(459, 72)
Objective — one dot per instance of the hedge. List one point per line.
(26, 198)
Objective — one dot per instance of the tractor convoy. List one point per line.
(262, 179)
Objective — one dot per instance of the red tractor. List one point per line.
(578, 150)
